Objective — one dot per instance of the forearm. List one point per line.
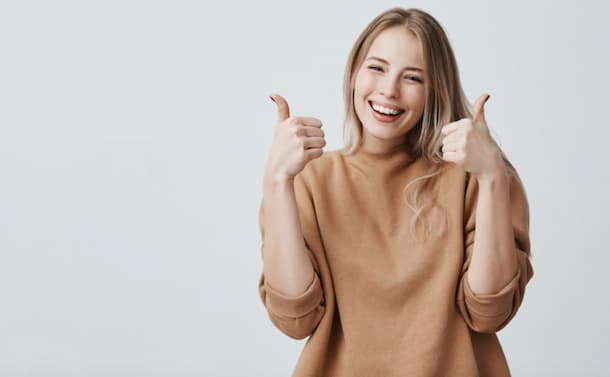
(286, 266)
(494, 259)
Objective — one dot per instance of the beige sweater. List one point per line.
(381, 302)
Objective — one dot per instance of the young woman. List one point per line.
(403, 253)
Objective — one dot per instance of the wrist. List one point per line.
(496, 171)
(498, 176)
(272, 179)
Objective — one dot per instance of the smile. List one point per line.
(384, 113)
(385, 109)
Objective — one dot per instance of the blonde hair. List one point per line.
(445, 102)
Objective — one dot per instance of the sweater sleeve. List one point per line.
(299, 316)
(489, 313)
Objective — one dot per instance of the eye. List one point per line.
(375, 68)
(414, 78)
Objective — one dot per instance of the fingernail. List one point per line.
(489, 95)
(272, 98)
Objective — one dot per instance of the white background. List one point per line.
(133, 137)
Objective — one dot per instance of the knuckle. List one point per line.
(294, 129)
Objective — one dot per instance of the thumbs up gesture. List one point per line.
(297, 141)
(468, 143)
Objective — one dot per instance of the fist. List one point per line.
(468, 143)
(297, 140)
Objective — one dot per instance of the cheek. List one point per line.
(417, 98)
(363, 84)
(361, 92)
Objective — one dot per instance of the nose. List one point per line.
(389, 88)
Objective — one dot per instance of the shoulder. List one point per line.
(323, 167)
(513, 181)
(317, 181)
(453, 177)
(516, 190)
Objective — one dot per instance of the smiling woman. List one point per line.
(384, 89)
(403, 253)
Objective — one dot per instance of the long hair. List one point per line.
(445, 102)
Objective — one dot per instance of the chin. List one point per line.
(381, 133)
(384, 132)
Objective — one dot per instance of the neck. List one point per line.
(373, 145)
(383, 160)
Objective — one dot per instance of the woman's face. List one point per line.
(391, 81)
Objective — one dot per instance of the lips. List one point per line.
(386, 106)
(384, 118)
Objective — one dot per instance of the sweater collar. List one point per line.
(388, 161)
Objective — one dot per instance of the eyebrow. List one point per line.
(386, 62)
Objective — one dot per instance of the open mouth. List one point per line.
(385, 114)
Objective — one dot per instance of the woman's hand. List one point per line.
(468, 143)
(297, 141)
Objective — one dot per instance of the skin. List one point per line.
(468, 143)
(297, 141)
(390, 83)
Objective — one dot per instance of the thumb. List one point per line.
(283, 111)
(478, 110)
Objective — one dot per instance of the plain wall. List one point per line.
(133, 137)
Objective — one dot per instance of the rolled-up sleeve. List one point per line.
(296, 316)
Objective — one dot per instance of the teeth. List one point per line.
(384, 110)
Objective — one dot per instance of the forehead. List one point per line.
(398, 46)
